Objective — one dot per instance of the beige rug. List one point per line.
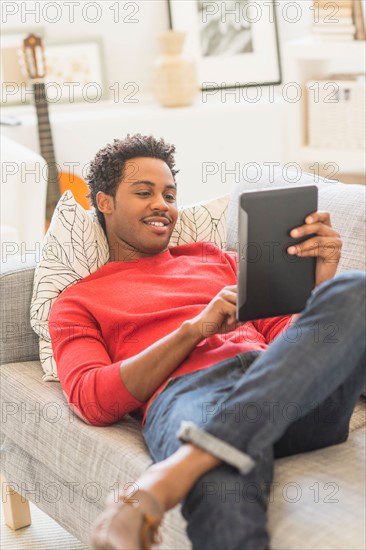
(43, 534)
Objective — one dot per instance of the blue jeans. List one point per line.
(296, 396)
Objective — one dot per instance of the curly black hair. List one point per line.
(108, 167)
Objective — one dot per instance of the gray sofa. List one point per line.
(67, 467)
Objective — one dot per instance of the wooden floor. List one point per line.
(42, 534)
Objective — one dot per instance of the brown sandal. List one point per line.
(129, 524)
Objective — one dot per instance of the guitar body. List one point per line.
(77, 186)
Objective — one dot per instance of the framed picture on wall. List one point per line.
(75, 71)
(235, 43)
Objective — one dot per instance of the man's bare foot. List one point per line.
(131, 523)
(187, 464)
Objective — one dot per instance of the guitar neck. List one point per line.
(46, 147)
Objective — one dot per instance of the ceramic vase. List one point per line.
(175, 76)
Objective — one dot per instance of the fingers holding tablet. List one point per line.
(318, 223)
(325, 244)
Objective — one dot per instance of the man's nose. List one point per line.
(159, 203)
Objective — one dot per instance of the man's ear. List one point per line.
(105, 202)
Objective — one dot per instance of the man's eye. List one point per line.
(143, 193)
(170, 197)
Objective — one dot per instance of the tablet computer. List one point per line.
(272, 282)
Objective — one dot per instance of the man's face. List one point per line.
(140, 221)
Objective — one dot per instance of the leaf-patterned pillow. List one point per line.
(205, 221)
(75, 246)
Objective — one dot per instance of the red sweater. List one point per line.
(124, 307)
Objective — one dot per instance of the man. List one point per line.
(154, 332)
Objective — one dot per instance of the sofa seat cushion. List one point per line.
(73, 505)
(36, 415)
(87, 461)
(37, 418)
(318, 500)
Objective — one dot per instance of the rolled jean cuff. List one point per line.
(190, 433)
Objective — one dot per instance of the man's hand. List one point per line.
(326, 245)
(219, 315)
(143, 373)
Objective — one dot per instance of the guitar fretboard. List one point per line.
(46, 147)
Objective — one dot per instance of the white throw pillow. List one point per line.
(75, 246)
(205, 222)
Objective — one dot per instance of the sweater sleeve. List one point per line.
(90, 381)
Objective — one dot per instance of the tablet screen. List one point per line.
(272, 282)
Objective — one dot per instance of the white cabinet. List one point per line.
(305, 60)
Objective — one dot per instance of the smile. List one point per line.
(157, 227)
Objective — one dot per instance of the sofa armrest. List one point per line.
(18, 340)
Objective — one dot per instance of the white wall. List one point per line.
(130, 43)
(225, 134)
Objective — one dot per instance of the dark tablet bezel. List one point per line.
(272, 282)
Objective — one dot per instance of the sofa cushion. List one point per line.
(68, 457)
(346, 204)
(75, 246)
(318, 498)
(75, 465)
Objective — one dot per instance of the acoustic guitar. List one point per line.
(58, 182)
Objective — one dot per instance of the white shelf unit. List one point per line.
(305, 60)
